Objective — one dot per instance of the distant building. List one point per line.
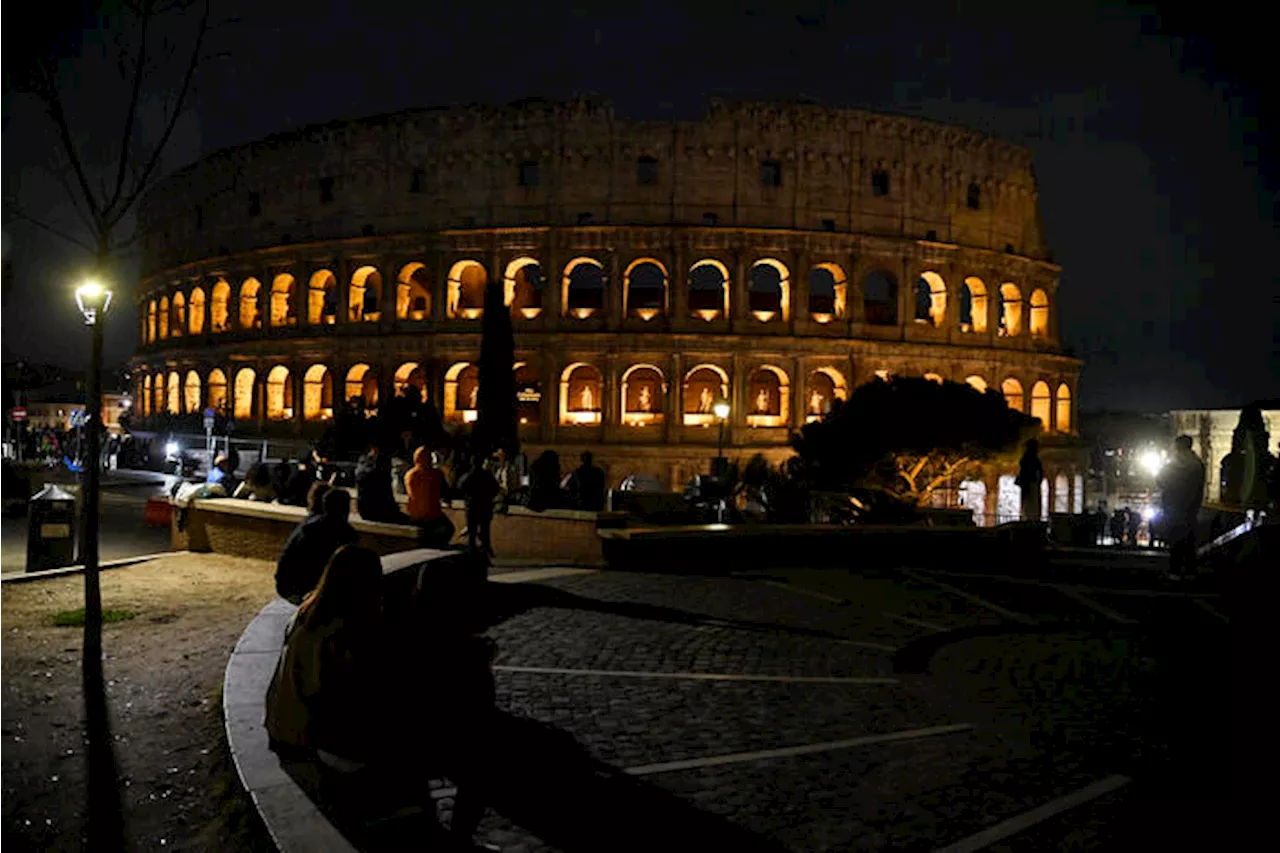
(1210, 431)
(1121, 446)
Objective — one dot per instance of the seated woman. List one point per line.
(340, 687)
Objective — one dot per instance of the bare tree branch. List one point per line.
(74, 198)
(131, 112)
(14, 210)
(48, 88)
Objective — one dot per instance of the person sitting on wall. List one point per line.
(280, 474)
(301, 478)
(586, 485)
(257, 484)
(222, 473)
(312, 543)
(424, 485)
(375, 500)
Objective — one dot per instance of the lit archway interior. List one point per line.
(643, 395)
(317, 393)
(461, 393)
(1041, 403)
(880, 298)
(191, 391)
(242, 398)
(249, 316)
(179, 308)
(644, 289)
(768, 397)
(413, 293)
(322, 299)
(151, 321)
(1063, 405)
(582, 293)
(148, 403)
(528, 395)
(709, 290)
(410, 375)
(174, 396)
(1010, 310)
(163, 317)
(581, 395)
(522, 285)
(828, 293)
(930, 299)
(703, 385)
(1039, 325)
(934, 377)
(465, 297)
(362, 385)
(195, 312)
(769, 290)
(977, 382)
(220, 306)
(1012, 390)
(973, 306)
(365, 296)
(284, 302)
(1061, 494)
(218, 390)
(158, 400)
(279, 394)
(823, 387)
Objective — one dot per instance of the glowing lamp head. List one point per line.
(1152, 461)
(721, 409)
(93, 299)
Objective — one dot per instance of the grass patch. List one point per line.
(75, 618)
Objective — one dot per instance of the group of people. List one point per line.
(51, 446)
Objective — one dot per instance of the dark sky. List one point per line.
(1152, 138)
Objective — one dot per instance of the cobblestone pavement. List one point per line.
(1051, 711)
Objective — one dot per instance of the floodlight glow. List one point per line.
(721, 409)
(172, 448)
(1152, 462)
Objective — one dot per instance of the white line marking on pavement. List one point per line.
(697, 676)
(1113, 615)
(803, 590)
(531, 575)
(1014, 825)
(1212, 610)
(919, 623)
(789, 751)
(1105, 590)
(879, 647)
(1011, 615)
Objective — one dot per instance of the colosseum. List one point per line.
(771, 255)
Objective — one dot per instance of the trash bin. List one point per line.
(51, 541)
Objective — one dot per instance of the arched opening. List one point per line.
(1041, 404)
(195, 313)
(1061, 494)
(249, 316)
(362, 387)
(284, 301)
(582, 294)
(317, 393)
(1039, 325)
(973, 497)
(279, 394)
(413, 293)
(148, 406)
(410, 375)
(364, 299)
(703, 384)
(581, 394)
(218, 390)
(1012, 390)
(163, 317)
(1063, 406)
(934, 377)
(880, 299)
(179, 322)
(467, 280)
(977, 382)
(522, 287)
(769, 290)
(322, 299)
(191, 392)
(768, 397)
(220, 307)
(823, 387)
(151, 322)
(930, 299)
(173, 397)
(883, 375)
(1010, 310)
(708, 290)
(461, 393)
(645, 289)
(973, 306)
(828, 293)
(528, 395)
(158, 401)
(643, 393)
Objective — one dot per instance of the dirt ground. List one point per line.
(164, 673)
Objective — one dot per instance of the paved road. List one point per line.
(123, 532)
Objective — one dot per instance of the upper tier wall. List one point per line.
(754, 165)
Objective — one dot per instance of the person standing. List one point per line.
(1181, 493)
(586, 486)
(1030, 474)
(544, 481)
(479, 488)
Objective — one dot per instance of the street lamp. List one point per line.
(93, 299)
(720, 408)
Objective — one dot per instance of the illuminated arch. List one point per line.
(173, 398)
(1010, 310)
(1012, 391)
(279, 394)
(769, 290)
(191, 392)
(195, 311)
(581, 394)
(413, 293)
(461, 393)
(822, 388)
(644, 390)
(973, 306)
(582, 288)
(362, 383)
(465, 297)
(768, 397)
(522, 287)
(410, 374)
(703, 383)
(250, 317)
(934, 377)
(284, 301)
(243, 398)
(645, 287)
(217, 390)
(1041, 403)
(148, 403)
(151, 322)
(317, 393)
(1039, 321)
(828, 293)
(364, 297)
(1062, 405)
(930, 299)
(163, 317)
(179, 308)
(880, 298)
(708, 289)
(158, 399)
(977, 382)
(322, 298)
(220, 307)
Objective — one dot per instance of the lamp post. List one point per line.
(93, 299)
(721, 410)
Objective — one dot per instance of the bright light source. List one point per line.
(1148, 513)
(721, 409)
(92, 299)
(1152, 461)
(172, 448)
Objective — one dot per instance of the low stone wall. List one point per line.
(561, 536)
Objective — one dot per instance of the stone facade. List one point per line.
(775, 256)
(1210, 431)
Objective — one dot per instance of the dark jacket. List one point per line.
(307, 551)
(480, 488)
(587, 488)
(298, 486)
(374, 499)
(1182, 487)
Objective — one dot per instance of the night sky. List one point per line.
(1156, 171)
